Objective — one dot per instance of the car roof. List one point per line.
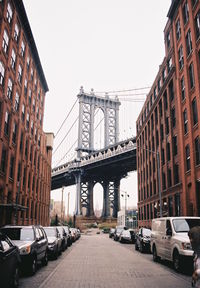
(17, 226)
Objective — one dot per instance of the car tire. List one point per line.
(136, 247)
(176, 261)
(155, 256)
(33, 267)
(45, 259)
(56, 254)
(15, 278)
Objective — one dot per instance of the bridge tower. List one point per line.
(84, 190)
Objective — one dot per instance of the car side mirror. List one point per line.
(37, 239)
(64, 234)
(58, 235)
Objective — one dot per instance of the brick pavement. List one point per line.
(99, 262)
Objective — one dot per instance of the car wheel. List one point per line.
(56, 253)
(45, 259)
(136, 247)
(33, 267)
(15, 279)
(155, 256)
(176, 261)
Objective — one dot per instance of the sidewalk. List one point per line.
(99, 262)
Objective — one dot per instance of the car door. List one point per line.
(38, 244)
(43, 242)
(8, 261)
(168, 240)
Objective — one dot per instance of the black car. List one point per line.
(63, 236)
(9, 262)
(142, 241)
(32, 243)
(54, 241)
(69, 236)
(117, 232)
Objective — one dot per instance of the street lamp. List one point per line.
(125, 195)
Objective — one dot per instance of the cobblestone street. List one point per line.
(97, 261)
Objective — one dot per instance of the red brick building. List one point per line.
(25, 150)
(168, 126)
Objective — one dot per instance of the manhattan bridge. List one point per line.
(106, 165)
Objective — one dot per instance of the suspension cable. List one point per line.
(65, 135)
(126, 90)
(66, 152)
(66, 118)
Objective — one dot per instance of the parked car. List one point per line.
(170, 241)
(63, 236)
(117, 232)
(32, 243)
(74, 234)
(125, 237)
(111, 233)
(9, 263)
(69, 236)
(142, 241)
(54, 241)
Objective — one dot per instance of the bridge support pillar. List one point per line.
(116, 204)
(106, 200)
(78, 194)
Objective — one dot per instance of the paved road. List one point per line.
(96, 261)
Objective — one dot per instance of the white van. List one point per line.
(170, 241)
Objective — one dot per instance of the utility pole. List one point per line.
(62, 212)
(68, 196)
(125, 195)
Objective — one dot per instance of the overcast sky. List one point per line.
(102, 44)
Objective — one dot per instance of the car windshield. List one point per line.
(119, 230)
(184, 225)
(146, 232)
(19, 233)
(51, 232)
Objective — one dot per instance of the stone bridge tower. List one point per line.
(84, 190)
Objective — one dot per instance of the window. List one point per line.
(9, 13)
(169, 177)
(11, 168)
(154, 93)
(165, 100)
(21, 142)
(5, 41)
(185, 121)
(169, 64)
(20, 74)
(30, 96)
(178, 29)
(36, 87)
(37, 112)
(16, 32)
(167, 125)
(197, 150)
(156, 115)
(41, 121)
(176, 174)
(191, 75)
(163, 75)
(194, 111)
(182, 88)
(187, 154)
(32, 74)
(180, 57)
(34, 104)
(161, 132)
(13, 59)
(174, 143)
(160, 108)
(163, 156)
(22, 52)
(28, 63)
(168, 40)
(185, 11)
(32, 127)
(25, 87)
(197, 25)
(188, 42)
(9, 89)
(2, 72)
(27, 120)
(168, 152)
(159, 84)
(23, 112)
(7, 122)
(3, 160)
(17, 101)
(14, 132)
(173, 113)
(171, 90)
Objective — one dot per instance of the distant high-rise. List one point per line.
(25, 150)
(168, 126)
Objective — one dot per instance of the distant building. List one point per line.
(57, 209)
(168, 127)
(25, 150)
(129, 219)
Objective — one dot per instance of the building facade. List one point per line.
(168, 127)
(25, 150)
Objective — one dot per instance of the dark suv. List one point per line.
(32, 243)
(142, 241)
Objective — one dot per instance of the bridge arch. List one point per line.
(98, 199)
(99, 128)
